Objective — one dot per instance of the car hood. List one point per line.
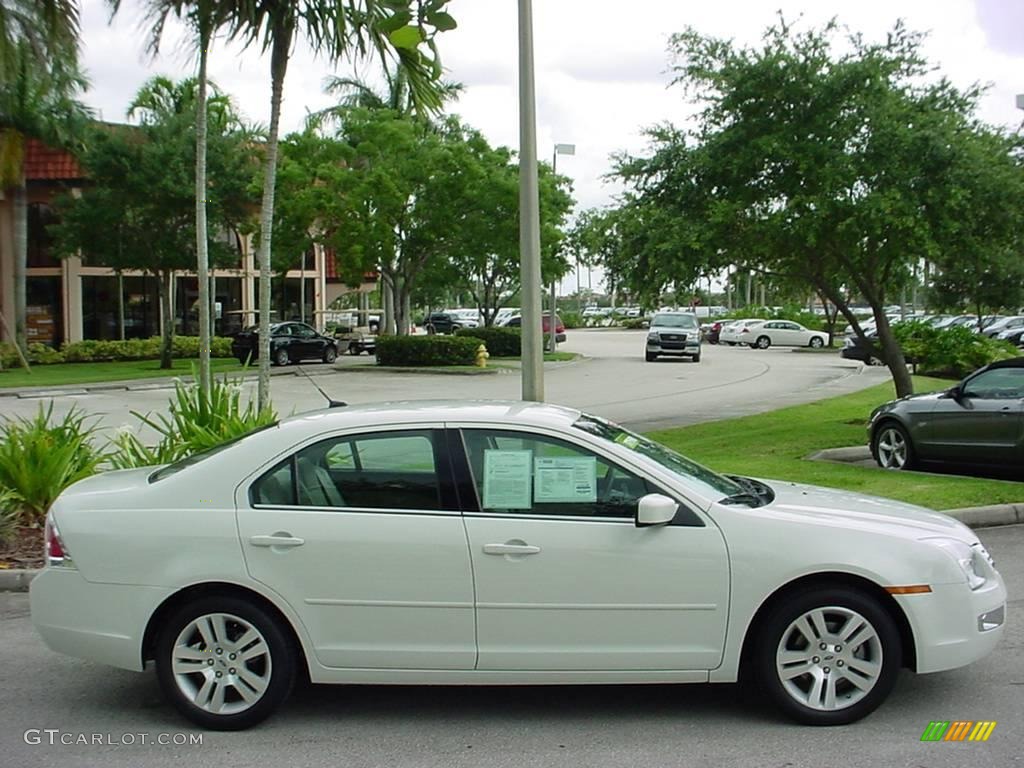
(849, 509)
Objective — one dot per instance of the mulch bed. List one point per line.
(24, 550)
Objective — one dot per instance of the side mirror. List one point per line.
(954, 393)
(645, 324)
(655, 509)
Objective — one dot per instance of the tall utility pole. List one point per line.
(560, 149)
(529, 215)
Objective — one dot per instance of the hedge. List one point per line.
(501, 342)
(427, 350)
(950, 352)
(98, 350)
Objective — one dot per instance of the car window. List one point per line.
(303, 331)
(997, 384)
(674, 321)
(380, 470)
(282, 330)
(529, 474)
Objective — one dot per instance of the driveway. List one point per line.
(611, 381)
(398, 726)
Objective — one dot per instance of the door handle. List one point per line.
(510, 549)
(277, 540)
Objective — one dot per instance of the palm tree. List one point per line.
(336, 29)
(48, 28)
(35, 103)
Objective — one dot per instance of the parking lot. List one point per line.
(611, 380)
(698, 725)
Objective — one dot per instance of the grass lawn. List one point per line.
(774, 445)
(86, 373)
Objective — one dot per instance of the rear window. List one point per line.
(196, 458)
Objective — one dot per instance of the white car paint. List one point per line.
(732, 333)
(399, 595)
(783, 333)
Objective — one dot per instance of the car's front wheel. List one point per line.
(892, 448)
(281, 357)
(225, 663)
(763, 342)
(650, 357)
(828, 656)
(330, 354)
(816, 342)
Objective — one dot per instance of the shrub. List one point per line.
(500, 342)
(427, 350)
(950, 352)
(571, 319)
(41, 456)
(100, 350)
(8, 516)
(194, 423)
(635, 322)
(38, 354)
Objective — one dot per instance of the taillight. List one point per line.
(745, 330)
(56, 553)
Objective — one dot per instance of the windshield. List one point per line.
(674, 321)
(705, 481)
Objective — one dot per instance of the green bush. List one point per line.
(427, 350)
(100, 350)
(9, 516)
(41, 456)
(635, 322)
(194, 423)
(950, 352)
(571, 319)
(38, 354)
(500, 342)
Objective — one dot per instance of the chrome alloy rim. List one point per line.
(221, 663)
(829, 658)
(892, 448)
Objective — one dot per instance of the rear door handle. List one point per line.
(510, 549)
(277, 540)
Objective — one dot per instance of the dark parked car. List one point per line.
(979, 421)
(442, 322)
(712, 332)
(289, 343)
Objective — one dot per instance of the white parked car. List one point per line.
(500, 543)
(732, 333)
(782, 333)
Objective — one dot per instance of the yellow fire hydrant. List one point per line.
(481, 356)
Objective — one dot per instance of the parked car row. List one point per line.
(759, 333)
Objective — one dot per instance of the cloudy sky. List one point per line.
(601, 66)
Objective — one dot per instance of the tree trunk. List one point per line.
(387, 300)
(202, 252)
(20, 263)
(893, 355)
(406, 310)
(164, 281)
(278, 68)
(120, 306)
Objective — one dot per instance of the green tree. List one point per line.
(402, 29)
(46, 29)
(813, 158)
(138, 211)
(37, 101)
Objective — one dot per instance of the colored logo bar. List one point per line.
(958, 730)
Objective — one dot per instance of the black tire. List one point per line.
(763, 342)
(887, 435)
(837, 604)
(330, 354)
(816, 342)
(282, 662)
(281, 357)
(650, 357)
(696, 358)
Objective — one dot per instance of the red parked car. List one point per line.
(517, 322)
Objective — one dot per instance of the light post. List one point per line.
(560, 149)
(529, 215)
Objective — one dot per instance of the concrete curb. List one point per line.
(18, 579)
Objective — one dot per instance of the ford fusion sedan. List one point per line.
(494, 543)
(978, 421)
(289, 343)
(783, 333)
(673, 334)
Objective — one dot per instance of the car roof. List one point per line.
(1013, 362)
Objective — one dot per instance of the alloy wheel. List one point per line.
(829, 658)
(892, 448)
(221, 663)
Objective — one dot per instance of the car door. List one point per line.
(984, 424)
(362, 536)
(566, 581)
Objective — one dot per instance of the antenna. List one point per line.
(331, 402)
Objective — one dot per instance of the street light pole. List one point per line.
(529, 215)
(560, 149)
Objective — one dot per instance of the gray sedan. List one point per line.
(978, 421)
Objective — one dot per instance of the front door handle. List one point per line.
(510, 549)
(277, 540)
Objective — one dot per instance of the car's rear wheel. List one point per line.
(892, 447)
(650, 357)
(816, 342)
(225, 663)
(281, 357)
(763, 342)
(828, 656)
(330, 354)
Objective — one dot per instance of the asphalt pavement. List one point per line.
(717, 726)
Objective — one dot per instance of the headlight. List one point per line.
(966, 557)
(652, 336)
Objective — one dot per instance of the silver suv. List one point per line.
(673, 333)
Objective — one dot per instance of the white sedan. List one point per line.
(782, 333)
(500, 543)
(732, 331)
